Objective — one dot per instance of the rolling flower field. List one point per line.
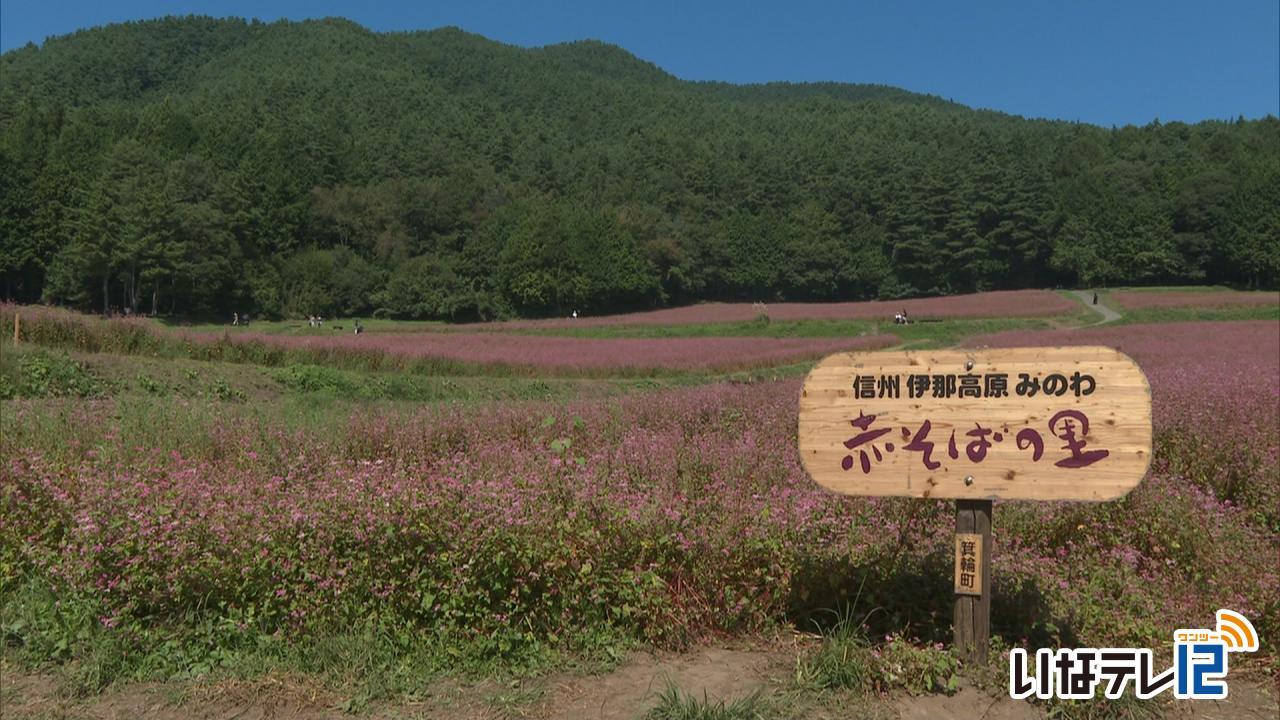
(569, 354)
(1185, 299)
(1003, 303)
(663, 516)
(448, 353)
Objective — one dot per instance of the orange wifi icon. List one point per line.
(1237, 632)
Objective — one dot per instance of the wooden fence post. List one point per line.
(17, 324)
(972, 619)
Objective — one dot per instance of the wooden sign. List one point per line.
(969, 570)
(1066, 423)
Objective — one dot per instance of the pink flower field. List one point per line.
(1130, 300)
(662, 516)
(1002, 303)
(573, 353)
(433, 352)
(1215, 392)
(1232, 360)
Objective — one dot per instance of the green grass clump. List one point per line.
(847, 660)
(673, 704)
(843, 661)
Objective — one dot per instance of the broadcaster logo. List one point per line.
(1199, 671)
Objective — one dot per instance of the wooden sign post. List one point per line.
(971, 625)
(1071, 423)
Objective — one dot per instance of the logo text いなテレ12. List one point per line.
(1199, 672)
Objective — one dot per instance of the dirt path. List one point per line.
(1086, 297)
(714, 673)
(626, 693)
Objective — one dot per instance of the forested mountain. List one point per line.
(195, 165)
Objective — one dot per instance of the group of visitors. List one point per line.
(901, 318)
(314, 321)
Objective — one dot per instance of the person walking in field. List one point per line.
(235, 319)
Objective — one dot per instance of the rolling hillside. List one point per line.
(195, 165)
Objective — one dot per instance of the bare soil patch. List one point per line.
(627, 692)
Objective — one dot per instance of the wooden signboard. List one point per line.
(1066, 423)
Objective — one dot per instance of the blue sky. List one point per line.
(1109, 63)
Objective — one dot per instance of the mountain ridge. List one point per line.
(584, 55)
(294, 168)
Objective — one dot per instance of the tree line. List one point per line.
(201, 166)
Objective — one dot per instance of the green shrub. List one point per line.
(318, 379)
(918, 669)
(152, 387)
(46, 374)
(222, 390)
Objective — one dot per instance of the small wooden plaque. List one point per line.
(969, 570)
(1065, 423)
